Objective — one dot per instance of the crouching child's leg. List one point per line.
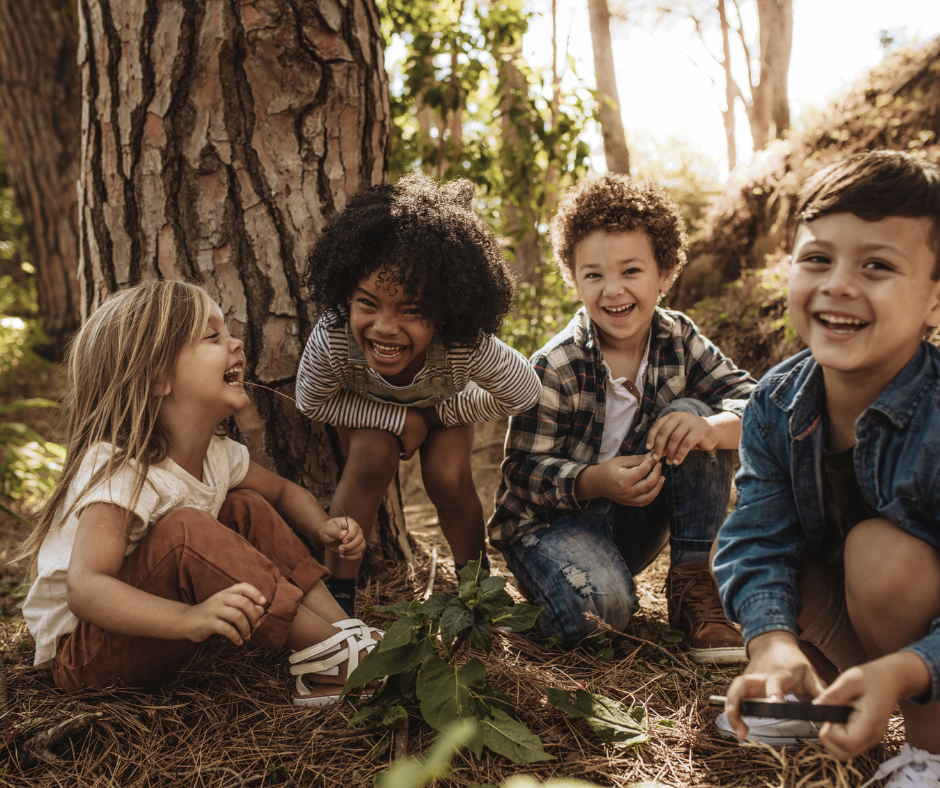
(892, 585)
(694, 502)
(573, 568)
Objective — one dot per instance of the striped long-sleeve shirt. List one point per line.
(505, 384)
(558, 437)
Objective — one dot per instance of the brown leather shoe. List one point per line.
(695, 609)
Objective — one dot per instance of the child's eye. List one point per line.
(213, 336)
(878, 265)
(365, 302)
(815, 259)
(631, 271)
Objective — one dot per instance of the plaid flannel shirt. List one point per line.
(551, 443)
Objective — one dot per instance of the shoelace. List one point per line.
(909, 756)
(697, 591)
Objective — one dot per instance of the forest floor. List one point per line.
(225, 719)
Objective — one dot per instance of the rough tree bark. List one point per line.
(615, 140)
(769, 112)
(40, 101)
(216, 137)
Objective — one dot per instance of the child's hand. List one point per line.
(414, 434)
(630, 481)
(343, 536)
(676, 434)
(232, 613)
(777, 666)
(874, 690)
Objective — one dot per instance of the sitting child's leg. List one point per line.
(189, 556)
(573, 568)
(369, 469)
(888, 611)
(448, 480)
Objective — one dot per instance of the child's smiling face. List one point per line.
(619, 282)
(208, 376)
(861, 293)
(389, 327)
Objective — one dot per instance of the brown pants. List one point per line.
(188, 556)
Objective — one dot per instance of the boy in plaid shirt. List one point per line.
(630, 443)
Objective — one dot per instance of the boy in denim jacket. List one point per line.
(830, 559)
(630, 443)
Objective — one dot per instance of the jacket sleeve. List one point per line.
(505, 382)
(757, 564)
(712, 376)
(322, 394)
(537, 467)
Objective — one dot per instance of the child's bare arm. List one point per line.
(96, 595)
(302, 512)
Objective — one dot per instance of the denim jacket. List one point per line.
(779, 512)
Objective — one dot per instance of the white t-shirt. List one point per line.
(166, 488)
(621, 406)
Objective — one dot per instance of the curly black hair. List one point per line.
(428, 241)
(617, 203)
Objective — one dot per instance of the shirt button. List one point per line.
(436, 381)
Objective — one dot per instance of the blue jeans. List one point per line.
(584, 562)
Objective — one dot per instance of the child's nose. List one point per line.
(840, 282)
(386, 323)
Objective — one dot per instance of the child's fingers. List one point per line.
(248, 590)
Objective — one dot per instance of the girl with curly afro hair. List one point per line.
(412, 289)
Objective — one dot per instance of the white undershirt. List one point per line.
(621, 406)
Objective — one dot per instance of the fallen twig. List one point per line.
(39, 747)
(430, 587)
(401, 739)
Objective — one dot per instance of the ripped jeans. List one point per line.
(584, 562)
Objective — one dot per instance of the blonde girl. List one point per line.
(161, 532)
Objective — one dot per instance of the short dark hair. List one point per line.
(616, 204)
(874, 186)
(426, 239)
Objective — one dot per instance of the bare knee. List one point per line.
(373, 455)
(449, 484)
(880, 561)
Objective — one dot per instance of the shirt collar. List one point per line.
(800, 393)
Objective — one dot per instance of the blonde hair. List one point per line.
(118, 365)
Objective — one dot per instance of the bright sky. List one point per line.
(664, 93)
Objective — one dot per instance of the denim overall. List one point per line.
(424, 393)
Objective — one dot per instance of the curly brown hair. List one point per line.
(616, 204)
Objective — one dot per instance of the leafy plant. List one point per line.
(425, 655)
(29, 464)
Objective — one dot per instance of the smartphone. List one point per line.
(789, 709)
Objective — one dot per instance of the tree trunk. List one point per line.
(39, 124)
(769, 114)
(727, 114)
(216, 137)
(615, 141)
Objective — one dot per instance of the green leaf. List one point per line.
(384, 661)
(434, 606)
(520, 618)
(455, 620)
(412, 773)
(393, 715)
(447, 691)
(613, 722)
(481, 631)
(510, 738)
(673, 636)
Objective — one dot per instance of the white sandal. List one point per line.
(357, 637)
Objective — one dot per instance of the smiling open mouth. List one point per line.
(386, 351)
(232, 374)
(841, 324)
(618, 311)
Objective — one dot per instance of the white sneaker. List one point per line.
(913, 768)
(772, 731)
